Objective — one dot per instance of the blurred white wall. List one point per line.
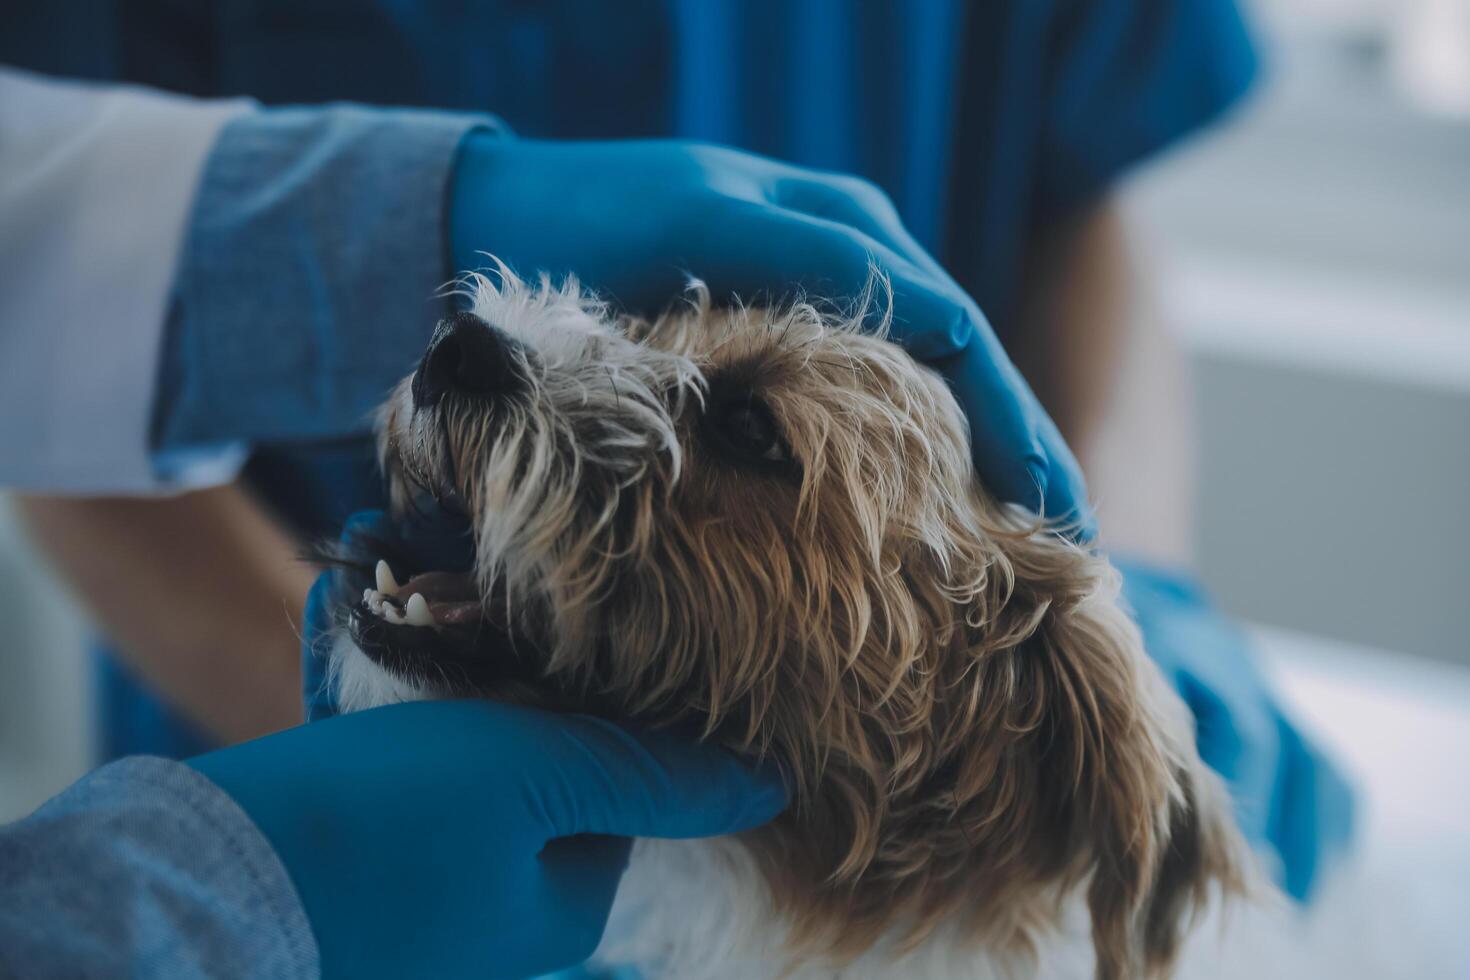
(1315, 255)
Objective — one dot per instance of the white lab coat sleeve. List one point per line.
(96, 186)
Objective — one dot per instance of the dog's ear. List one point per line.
(1099, 756)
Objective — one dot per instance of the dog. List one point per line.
(763, 523)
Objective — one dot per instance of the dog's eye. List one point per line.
(743, 425)
(750, 430)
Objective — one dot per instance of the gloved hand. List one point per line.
(1289, 798)
(634, 219)
(461, 838)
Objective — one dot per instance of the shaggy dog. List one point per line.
(764, 524)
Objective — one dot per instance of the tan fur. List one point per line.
(967, 719)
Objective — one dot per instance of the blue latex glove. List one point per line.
(466, 838)
(1289, 798)
(634, 219)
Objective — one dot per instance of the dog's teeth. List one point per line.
(416, 612)
(376, 602)
(386, 581)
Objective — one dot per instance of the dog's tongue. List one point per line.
(439, 587)
(451, 596)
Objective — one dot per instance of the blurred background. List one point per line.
(1318, 250)
(1317, 257)
(1319, 270)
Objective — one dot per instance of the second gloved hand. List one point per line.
(634, 220)
(468, 838)
(1290, 800)
(465, 838)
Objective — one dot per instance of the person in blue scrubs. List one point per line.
(989, 126)
(305, 850)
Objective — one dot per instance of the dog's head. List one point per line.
(765, 524)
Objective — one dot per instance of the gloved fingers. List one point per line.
(768, 247)
(579, 880)
(828, 259)
(1312, 821)
(1237, 725)
(562, 896)
(1051, 483)
(427, 537)
(317, 619)
(595, 777)
(339, 555)
(316, 638)
(1288, 798)
(317, 628)
(366, 522)
(839, 233)
(861, 204)
(1017, 451)
(1064, 491)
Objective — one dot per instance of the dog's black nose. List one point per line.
(467, 356)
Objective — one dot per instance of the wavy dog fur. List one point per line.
(972, 732)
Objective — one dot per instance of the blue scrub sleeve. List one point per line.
(1125, 79)
(145, 868)
(311, 276)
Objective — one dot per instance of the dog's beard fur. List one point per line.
(971, 730)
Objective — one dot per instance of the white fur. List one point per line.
(358, 683)
(700, 910)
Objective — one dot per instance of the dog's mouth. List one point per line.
(435, 629)
(426, 600)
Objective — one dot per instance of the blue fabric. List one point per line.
(979, 119)
(595, 973)
(132, 720)
(146, 869)
(294, 301)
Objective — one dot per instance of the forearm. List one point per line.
(202, 593)
(1108, 369)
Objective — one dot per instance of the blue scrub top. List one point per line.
(982, 120)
